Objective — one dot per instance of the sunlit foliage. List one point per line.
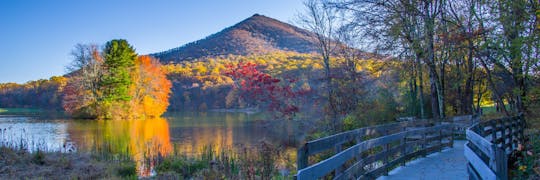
(115, 84)
(151, 88)
(259, 88)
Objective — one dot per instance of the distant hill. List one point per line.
(257, 34)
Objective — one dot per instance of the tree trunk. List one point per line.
(420, 87)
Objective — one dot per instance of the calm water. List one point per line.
(188, 132)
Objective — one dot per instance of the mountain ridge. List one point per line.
(257, 34)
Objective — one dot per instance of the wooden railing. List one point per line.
(489, 144)
(375, 150)
(461, 123)
(337, 141)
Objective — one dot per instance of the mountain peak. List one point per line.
(257, 34)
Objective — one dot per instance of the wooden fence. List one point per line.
(372, 151)
(489, 144)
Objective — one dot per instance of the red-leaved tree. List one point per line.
(259, 88)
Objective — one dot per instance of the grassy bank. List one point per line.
(20, 164)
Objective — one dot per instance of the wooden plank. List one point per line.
(329, 142)
(481, 143)
(478, 165)
(473, 175)
(408, 118)
(463, 118)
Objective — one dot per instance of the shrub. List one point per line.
(39, 157)
(127, 170)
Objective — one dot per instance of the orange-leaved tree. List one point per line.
(151, 88)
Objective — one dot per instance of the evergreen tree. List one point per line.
(119, 62)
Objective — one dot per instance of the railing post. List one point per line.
(301, 158)
(452, 134)
(386, 147)
(337, 150)
(501, 161)
(511, 127)
(359, 156)
(503, 132)
(440, 139)
(403, 144)
(522, 124)
(424, 153)
(493, 125)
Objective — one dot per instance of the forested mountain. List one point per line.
(257, 34)
(201, 76)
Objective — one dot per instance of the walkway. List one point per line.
(448, 164)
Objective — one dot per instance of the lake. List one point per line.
(185, 132)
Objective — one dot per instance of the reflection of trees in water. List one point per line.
(149, 140)
(141, 140)
(231, 130)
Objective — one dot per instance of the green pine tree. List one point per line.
(119, 62)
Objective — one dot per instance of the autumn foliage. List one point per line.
(151, 88)
(258, 88)
(95, 90)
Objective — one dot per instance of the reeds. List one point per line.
(265, 161)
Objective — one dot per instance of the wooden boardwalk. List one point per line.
(371, 152)
(449, 164)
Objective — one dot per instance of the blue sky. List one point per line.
(37, 36)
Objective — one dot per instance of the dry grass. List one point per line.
(17, 164)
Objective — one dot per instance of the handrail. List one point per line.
(336, 141)
(391, 149)
(489, 144)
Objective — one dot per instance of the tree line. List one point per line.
(457, 55)
(112, 82)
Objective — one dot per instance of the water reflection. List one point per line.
(29, 134)
(142, 140)
(192, 131)
(145, 140)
